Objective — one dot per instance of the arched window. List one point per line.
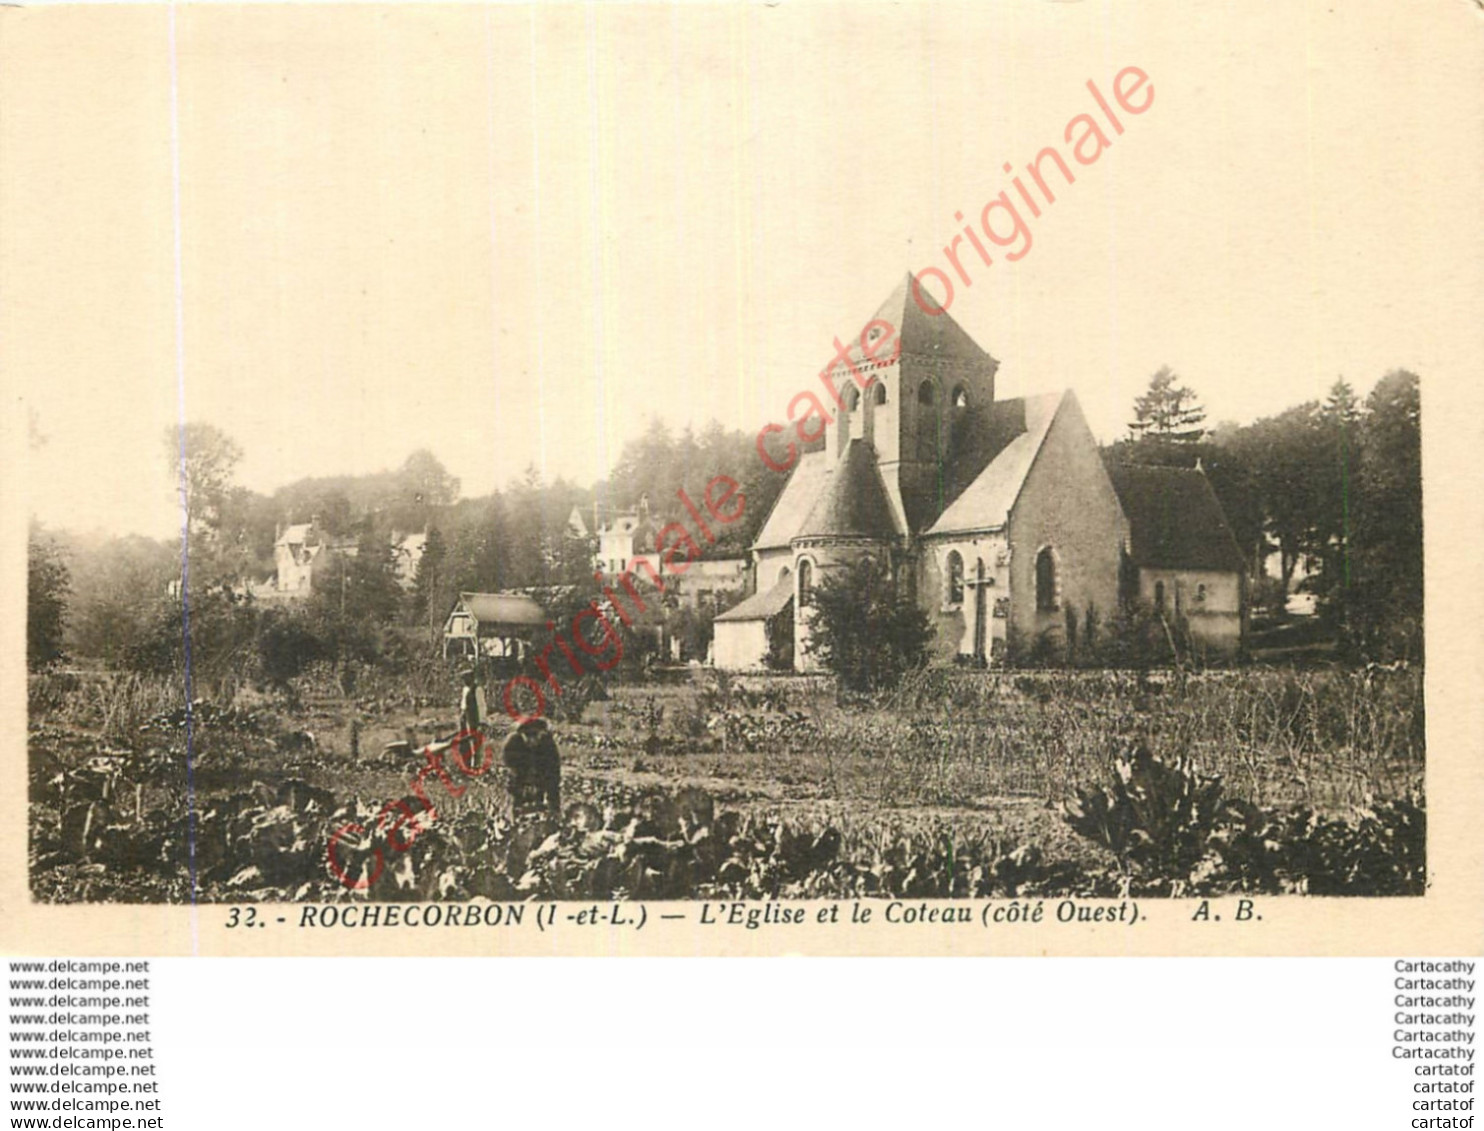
(880, 394)
(1046, 580)
(954, 581)
(1159, 596)
(784, 574)
(849, 425)
(958, 417)
(806, 582)
(1200, 593)
(927, 422)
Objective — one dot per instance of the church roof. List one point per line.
(1175, 519)
(853, 503)
(764, 605)
(922, 334)
(793, 504)
(1017, 430)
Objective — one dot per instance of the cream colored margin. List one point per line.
(1448, 921)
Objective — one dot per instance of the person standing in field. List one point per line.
(471, 702)
(535, 765)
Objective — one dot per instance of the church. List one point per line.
(998, 515)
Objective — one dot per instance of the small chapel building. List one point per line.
(998, 515)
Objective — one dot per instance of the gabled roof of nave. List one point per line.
(1006, 451)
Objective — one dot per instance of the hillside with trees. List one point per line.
(1332, 488)
(117, 601)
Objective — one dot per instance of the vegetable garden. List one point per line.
(956, 784)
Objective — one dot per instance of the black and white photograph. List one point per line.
(947, 460)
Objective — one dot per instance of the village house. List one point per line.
(301, 557)
(304, 557)
(627, 541)
(625, 537)
(407, 555)
(997, 515)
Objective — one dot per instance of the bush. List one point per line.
(223, 632)
(864, 631)
(1174, 833)
(286, 645)
(781, 640)
(1155, 817)
(48, 587)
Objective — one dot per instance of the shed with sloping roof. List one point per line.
(743, 636)
(500, 625)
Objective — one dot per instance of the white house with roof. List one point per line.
(625, 537)
(407, 555)
(301, 556)
(626, 542)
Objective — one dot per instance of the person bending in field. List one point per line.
(535, 766)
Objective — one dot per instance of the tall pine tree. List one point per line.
(1167, 412)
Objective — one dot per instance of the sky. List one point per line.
(513, 235)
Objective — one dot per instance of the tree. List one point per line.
(118, 589)
(426, 480)
(650, 465)
(421, 487)
(660, 465)
(524, 542)
(863, 629)
(1285, 456)
(478, 552)
(202, 460)
(1385, 595)
(286, 645)
(248, 526)
(358, 599)
(429, 587)
(48, 585)
(1167, 412)
(1338, 427)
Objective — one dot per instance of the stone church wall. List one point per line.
(1067, 504)
(957, 635)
